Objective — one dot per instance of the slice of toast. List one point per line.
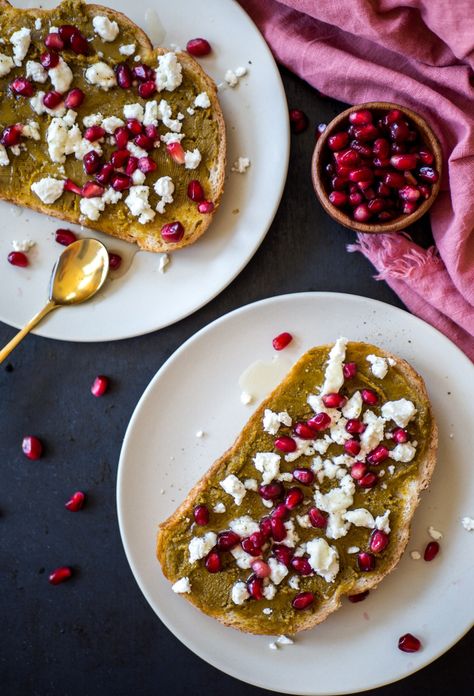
(348, 532)
(184, 108)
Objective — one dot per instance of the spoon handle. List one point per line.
(5, 352)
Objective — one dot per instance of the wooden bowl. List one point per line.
(321, 157)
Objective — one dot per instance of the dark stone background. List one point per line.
(96, 634)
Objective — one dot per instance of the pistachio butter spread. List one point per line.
(96, 126)
(313, 495)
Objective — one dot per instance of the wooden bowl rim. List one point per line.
(399, 223)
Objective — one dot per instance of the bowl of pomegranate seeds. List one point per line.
(377, 167)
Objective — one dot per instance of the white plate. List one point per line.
(143, 299)
(197, 389)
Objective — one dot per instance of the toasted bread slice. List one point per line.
(372, 520)
(202, 127)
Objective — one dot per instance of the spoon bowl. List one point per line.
(79, 272)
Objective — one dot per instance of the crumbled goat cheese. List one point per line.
(284, 640)
(35, 71)
(48, 189)
(6, 64)
(242, 558)
(246, 398)
(303, 447)
(31, 130)
(200, 433)
(20, 40)
(372, 435)
(92, 207)
(353, 549)
(192, 159)
(278, 571)
(92, 120)
(39, 108)
(239, 592)
(360, 518)
(304, 521)
(292, 537)
(163, 263)
(323, 559)
(353, 407)
(111, 123)
(138, 178)
(378, 365)
(336, 502)
(107, 30)
(244, 526)
(168, 72)
(382, 523)
(434, 533)
(127, 49)
(240, 71)
(182, 586)
(102, 75)
(202, 101)
(241, 165)
(136, 151)
(401, 411)
(268, 463)
(164, 188)
(416, 555)
(273, 645)
(468, 524)
(294, 582)
(267, 611)
(4, 159)
(234, 487)
(333, 376)
(251, 484)
(200, 546)
(403, 452)
(61, 76)
(38, 24)
(24, 245)
(164, 112)
(168, 138)
(219, 508)
(137, 203)
(111, 196)
(321, 446)
(150, 117)
(191, 111)
(339, 433)
(271, 421)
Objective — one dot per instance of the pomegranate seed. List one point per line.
(103, 177)
(74, 98)
(120, 181)
(425, 191)
(65, 237)
(376, 205)
(338, 198)
(392, 116)
(360, 118)
(404, 161)
(284, 443)
(172, 232)
(92, 190)
(144, 141)
(317, 518)
(428, 174)
(399, 131)
(94, 133)
(11, 135)
(409, 193)
(198, 47)
(354, 598)
(334, 400)
(115, 261)
(349, 370)
(338, 141)
(394, 180)
(257, 539)
(426, 157)
(352, 447)
(52, 99)
(304, 476)
(75, 503)
(381, 148)
(195, 191)
(227, 540)
(320, 128)
(55, 43)
(152, 132)
(134, 126)
(385, 215)
(358, 471)
(278, 528)
(250, 548)
(91, 162)
(65, 31)
(119, 158)
(146, 89)
(408, 643)
(147, 165)
(354, 426)
(301, 565)
(69, 185)
(383, 190)
(304, 431)
(378, 541)
(369, 480)
(99, 385)
(32, 447)
(260, 568)
(362, 213)
(49, 59)
(124, 76)
(205, 207)
(369, 397)
(363, 174)
(282, 340)
(339, 183)
(121, 137)
(22, 87)
(409, 207)
(213, 562)
(298, 121)
(283, 554)
(142, 72)
(79, 43)
(265, 527)
(431, 551)
(363, 150)
(365, 561)
(60, 575)
(366, 133)
(378, 455)
(201, 515)
(18, 258)
(346, 158)
(281, 512)
(270, 491)
(255, 587)
(303, 600)
(294, 498)
(321, 421)
(131, 166)
(400, 435)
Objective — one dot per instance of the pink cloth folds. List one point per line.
(420, 55)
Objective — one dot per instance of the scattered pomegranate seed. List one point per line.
(365, 561)
(369, 397)
(32, 447)
(49, 59)
(408, 643)
(378, 541)
(121, 137)
(404, 161)
(321, 421)
(428, 174)
(250, 547)
(66, 31)
(284, 443)
(303, 600)
(55, 43)
(131, 166)
(94, 133)
(206, 207)
(255, 587)
(152, 132)
(431, 551)
(201, 515)
(213, 562)
(298, 121)
(355, 426)
(317, 518)
(76, 502)
(400, 435)
(119, 158)
(100, 385)
(74, 98)
(378, 455)
(78, 43)
(144, 141)
(134, 126)
(60, 575)
(304, 476)
(358, 470)
(278, 528)
(294, 497)
(91, 162)
(124, 76)
(18, 258)
(65, 237)
(195, 191)
(369, 480)
(334, 400)
(338, 141)
(115, 261)
(146, 89)
(92, 190)
(142, 72)
(69, 185)
(198, 47)
(52, 99)
(352, 447)
(338, 198)
(301, 565)
(360, 118)
(260, 568)
(11, 135)
(281, 512)
(265, 527)
(270, 491)
(304, 431)
(172, 232)
(227, 540)
(282, 340)
(175, 150)
(426, 157)
(354, 598)
(120, 181)
(283, 554)
(103, 176)
(22, 87)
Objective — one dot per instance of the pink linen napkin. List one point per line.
(420, 55)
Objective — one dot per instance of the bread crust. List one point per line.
(134, 232)
(303, 621)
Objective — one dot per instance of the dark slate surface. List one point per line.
(96, 634)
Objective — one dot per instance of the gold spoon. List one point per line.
(77, 275)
